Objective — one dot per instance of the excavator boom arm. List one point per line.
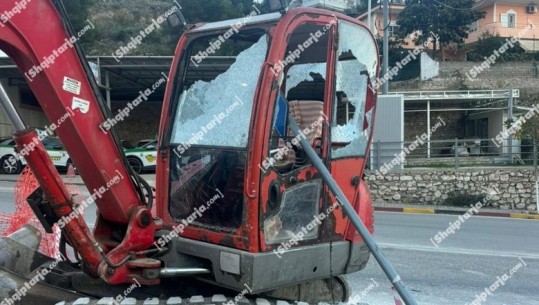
(52, 62)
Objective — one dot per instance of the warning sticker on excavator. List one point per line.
(71, 85)
(82, 105)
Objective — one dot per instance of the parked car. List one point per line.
(143, 157)
(54, 148)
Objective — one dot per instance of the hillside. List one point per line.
(117, 21)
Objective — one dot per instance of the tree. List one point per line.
(446, 21)
(78, 12)
(117, 21)
(529, 134)
(488, 42)
(215, 10)
(530, 129)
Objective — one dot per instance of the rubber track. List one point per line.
(217, 299)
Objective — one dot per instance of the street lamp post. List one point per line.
(385, 63)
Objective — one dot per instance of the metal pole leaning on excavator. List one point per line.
(387, 267)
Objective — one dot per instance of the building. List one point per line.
(120, 82)
(509, 18)
(377, 24)
(21, 96)
(334, 5)
(377, 18)
(473, 120)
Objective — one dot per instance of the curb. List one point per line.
(418, 211)
(455, 212)
(524, 216)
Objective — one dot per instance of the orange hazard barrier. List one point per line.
(11, 222)
(71, 171)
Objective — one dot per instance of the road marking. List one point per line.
(418, 211)
(523, 216)
(7, 189)
(459, 251)
(474, 272)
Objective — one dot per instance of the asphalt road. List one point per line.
(7, 200)
(455, 272)
(6, 197)
(462, 266)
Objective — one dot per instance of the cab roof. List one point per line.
(243, 20)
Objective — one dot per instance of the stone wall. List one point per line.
(416, 124)
(519, 75)
(516, 69)
(516, 186)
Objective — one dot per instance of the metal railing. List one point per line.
(452, 153)
(456, 94)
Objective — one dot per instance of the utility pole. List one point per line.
(535, 174)
(510, 117)
(369, 8)
(385, 63)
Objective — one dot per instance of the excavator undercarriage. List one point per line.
(29, 277)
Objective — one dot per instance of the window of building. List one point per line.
(509, 19)
(512, 20)
(393, 31)
(473, 27)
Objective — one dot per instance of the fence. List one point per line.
(452, 153)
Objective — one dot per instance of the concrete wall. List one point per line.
(142, 123)
(516, 186)
(429, 67)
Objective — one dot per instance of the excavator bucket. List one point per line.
(27, 251)
(22, 268)
(23, 214)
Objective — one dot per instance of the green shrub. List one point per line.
(488, 42)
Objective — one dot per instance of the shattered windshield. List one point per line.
(304, 72)
(216, 110)
(356, 66)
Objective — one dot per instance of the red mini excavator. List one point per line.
(263, 138)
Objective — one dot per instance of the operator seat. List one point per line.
(306, 113)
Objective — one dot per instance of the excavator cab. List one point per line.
(259, 113)
(246, 197)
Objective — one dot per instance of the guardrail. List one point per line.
(452, 153)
